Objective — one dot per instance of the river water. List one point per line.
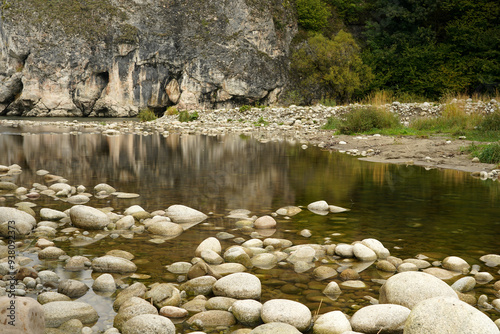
(411, 210)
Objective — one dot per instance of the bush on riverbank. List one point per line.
(185, 116)
(489, 153)
(146, 115)
(364, 119)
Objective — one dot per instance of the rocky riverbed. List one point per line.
(229, 284)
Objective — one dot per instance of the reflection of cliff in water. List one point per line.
(201, 171)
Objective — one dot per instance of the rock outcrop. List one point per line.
(114, 57)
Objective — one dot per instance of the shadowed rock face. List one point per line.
(111, 58)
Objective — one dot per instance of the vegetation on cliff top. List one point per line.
(89, 19)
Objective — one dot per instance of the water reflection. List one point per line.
(411, 210)
(434, 209)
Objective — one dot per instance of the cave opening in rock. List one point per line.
(102, 78)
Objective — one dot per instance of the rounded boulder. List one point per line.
(410, 288)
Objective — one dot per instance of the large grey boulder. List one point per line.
(185, 215)
(72, 288)
(239, 286)
(21, 315)
(165, 228)
(287, 311)
(51, 214)
(57, 313)
(15, 220)
(113, 264)
(247, 312)
(132, 308)
(148, 324)
(411, 287)
(382, 318)
(334, 322)
(88, 218)
(275, 328)
(164, 294)
(448, 315)
(211, 319)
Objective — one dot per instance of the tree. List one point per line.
(326, 68)
(312, 14)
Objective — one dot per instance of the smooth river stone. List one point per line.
(275, 328)
(247, 312)
(22, 221)
(88, 218)
(265, 222)
(388, 318)
(410, 288)
(239, 286)
(148, 323)
(334, 322)
(448, 315)
(287, 311)
(21, 315)
(57, 313)
(113, 264)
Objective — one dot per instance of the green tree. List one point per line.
(430, 47)
(312, 14)
(326, 68)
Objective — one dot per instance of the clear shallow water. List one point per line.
(409, 209)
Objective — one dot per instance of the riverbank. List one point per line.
(303, 125)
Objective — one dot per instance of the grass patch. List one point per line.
(245, 108)
(487, 153)
(261, 122)
(368, 119)
(172, 111)
(185, 116)
(146, 115)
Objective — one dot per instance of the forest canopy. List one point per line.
(424, 48)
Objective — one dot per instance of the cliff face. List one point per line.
(113, 57)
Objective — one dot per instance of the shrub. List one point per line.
(491, 122)
(146, 115)
(172, 111)
(312, 14)
(366, 119)
(185, 116)
(245, 108)
(332, 123)
(490, 154)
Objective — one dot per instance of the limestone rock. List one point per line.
(275, 328)
(334, 322)
(410, 288)
(113, 264)
(27, 316)
(184, 215)
(58, 312)
(210, 243)
(287, 311)
(148, 324)
(164, 294)
(21, 221)
(447, 315)
(247, 312)
(72, 288)
(382, 318)
(50, 214)
(239, 286)
(104, 283)
(88, 218)
(265, 222)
